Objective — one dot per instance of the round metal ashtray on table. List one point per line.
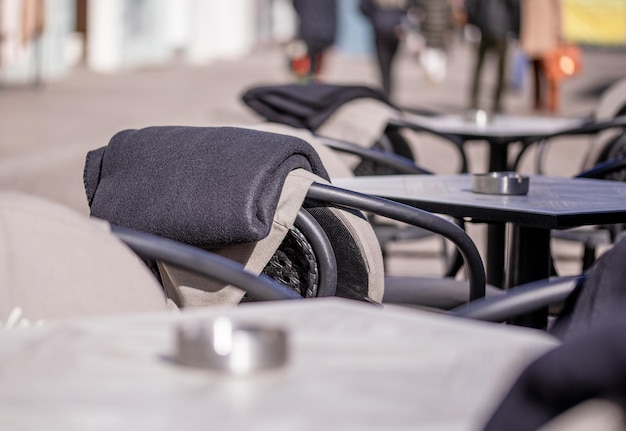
(230, 347)
(500, 183)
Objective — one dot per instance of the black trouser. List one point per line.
(386, 49)
(499, 48)
(315, 54)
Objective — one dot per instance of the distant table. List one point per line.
(352, 367)
(499, 132)
(551, 203)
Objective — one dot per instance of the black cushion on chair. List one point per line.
(162, 180)
(352, 270)
(295, 265)
(304, 106)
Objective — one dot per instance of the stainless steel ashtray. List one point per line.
(500, 183)
(231, 347)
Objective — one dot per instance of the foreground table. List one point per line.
(352, 366)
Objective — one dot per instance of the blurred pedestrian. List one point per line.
(540, 33)
(386, 17)
(437, 28)
(497, 20)
(317, 28)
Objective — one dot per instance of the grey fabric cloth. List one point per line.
(304, 106)
(590, 366)
(204, 186)
(591, 362)
(602, 296)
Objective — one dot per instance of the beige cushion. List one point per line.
(367, 252)
(592, 415)
(611, 102)
(55, 263)
(336, 164)
(361, 121)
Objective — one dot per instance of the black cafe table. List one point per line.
(551, 203)
(499, 131)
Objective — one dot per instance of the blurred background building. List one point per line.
(111, 36)
(116, 35)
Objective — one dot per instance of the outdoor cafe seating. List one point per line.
(80, 370)
(116, 181)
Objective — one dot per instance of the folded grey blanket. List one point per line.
(204, 186)
(304, 106)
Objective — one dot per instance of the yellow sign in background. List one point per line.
(600, 22)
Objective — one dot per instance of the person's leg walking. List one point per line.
(553, 95)
(478, 66)
(501, 49)
(386, 50)
(537, 81)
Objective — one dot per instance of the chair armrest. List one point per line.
(455, 140)
(261, 288)
(413, 216)
(520, 300)
(400, 164)
(601, 170)
(587, 127)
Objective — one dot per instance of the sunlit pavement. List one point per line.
(47, 132)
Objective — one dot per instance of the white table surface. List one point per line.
(352, 367)
(504, 126)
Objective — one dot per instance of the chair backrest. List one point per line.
(361, 121)
(111, 178)
(357, 267)
(58, 264)
(358, 258)
(612, 104)
(190, 290)
(351, 113)
(337, 165)
(110, 182)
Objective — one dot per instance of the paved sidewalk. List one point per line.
(45, 134)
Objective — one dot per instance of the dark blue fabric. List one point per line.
(204, 186)
(601, 296)
(588, 366)
(591, 362)
(304, 106)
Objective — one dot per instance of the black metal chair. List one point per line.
(203, 156)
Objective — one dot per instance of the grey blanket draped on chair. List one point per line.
(304, 106)
(162, 180)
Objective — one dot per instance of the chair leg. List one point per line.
(589, 257)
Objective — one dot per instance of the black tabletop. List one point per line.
(551, 202)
